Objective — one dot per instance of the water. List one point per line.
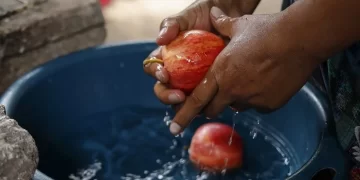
(135, 144)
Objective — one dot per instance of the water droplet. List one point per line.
(182, 161)
(223, 172)
(205, 81)
(253, 133)
(286, 161)
(232, 133)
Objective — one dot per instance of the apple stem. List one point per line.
(153, 60)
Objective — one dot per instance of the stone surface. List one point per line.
(18, 152)
(14, 67)
(10, 7)
(48, 22)
(45, 30)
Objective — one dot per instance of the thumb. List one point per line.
(170, 27)
(221, 22)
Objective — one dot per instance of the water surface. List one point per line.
(135, 144)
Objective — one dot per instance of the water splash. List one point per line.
(137, 147)
(167, 118)
(253, 132)
(233, 127)
(87, 174)
(286, 161)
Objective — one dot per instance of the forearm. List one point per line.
(322, 27)
(235, 8)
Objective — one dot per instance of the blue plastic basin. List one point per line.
(97, 107)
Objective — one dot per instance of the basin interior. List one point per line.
(95, 110)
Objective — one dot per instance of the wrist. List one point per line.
(320, 28)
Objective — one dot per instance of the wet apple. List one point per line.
(188, 58)
(216, 147)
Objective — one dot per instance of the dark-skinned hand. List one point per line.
(196, 16)
(257, 69)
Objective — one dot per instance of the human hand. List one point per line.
(259, 68)
(196, 16)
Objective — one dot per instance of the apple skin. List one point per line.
(210, 149)
(189, 56)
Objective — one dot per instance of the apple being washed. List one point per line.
(188, 58)
(216, 147)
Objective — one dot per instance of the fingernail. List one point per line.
(159, 75)
(216, 12)
(162, 32)
(175, 128)
(156, 52)
(174, 98)
(147, 65)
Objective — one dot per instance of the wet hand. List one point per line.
(196, 16)
(259, 68)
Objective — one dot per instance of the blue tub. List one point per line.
(93, 114)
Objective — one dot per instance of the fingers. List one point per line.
(170, 28)
(168, 96)
(177, 107)
(216, 106)
(221, 22)
(194, 103)
(156, 69)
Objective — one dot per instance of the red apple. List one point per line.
(104, 3)
(216, 147)
(189, 56)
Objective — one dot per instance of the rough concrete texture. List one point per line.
(46, 30)
(18, 152)
(47, 22)
(16, 66)
(10, 7)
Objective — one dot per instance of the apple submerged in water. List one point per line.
(189, 56)
(216, 147)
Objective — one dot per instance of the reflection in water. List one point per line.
(133, 144)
